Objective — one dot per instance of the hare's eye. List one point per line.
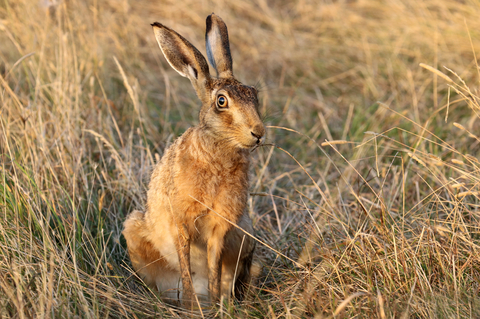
(222, 101)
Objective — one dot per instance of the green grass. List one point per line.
(386, 225)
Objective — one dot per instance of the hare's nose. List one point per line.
(258, 132)
(258, 137)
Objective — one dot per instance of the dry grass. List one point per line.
(386, 225)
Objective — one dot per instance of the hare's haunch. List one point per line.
(185, 242)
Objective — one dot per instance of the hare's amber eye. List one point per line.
(222, 101)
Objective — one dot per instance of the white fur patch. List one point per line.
(191, 71)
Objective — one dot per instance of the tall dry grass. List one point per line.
(386, 225)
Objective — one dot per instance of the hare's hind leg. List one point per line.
(147, 261)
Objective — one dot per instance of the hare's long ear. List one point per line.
(183, 57)
(218, 47)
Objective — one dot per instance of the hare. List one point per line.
(186, 242)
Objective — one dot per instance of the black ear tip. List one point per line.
(157, 24)
(211, 16)
(209, 23)
(214, 17)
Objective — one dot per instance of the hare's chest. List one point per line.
(208, 180)
(213, 185)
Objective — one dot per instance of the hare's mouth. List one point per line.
(245, 145)
(251, 146)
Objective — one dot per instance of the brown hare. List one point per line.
(185, 243)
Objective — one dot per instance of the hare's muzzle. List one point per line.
(258, 131)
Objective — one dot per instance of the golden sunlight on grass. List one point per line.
(365, 197)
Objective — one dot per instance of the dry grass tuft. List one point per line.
(369, 182)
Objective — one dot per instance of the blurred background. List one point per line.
(382, 222)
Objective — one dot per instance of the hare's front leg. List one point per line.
(214, 252)
(214, 255)
(183, 248)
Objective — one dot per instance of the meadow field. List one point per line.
(365, 198)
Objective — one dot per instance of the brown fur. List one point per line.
(185, 242)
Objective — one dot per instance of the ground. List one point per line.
(365, 198)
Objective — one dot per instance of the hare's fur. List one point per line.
(185, 242)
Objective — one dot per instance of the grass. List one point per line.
(386, 225)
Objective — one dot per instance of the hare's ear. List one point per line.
(218, 47)
(183, 57)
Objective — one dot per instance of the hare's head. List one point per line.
(229, 110)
